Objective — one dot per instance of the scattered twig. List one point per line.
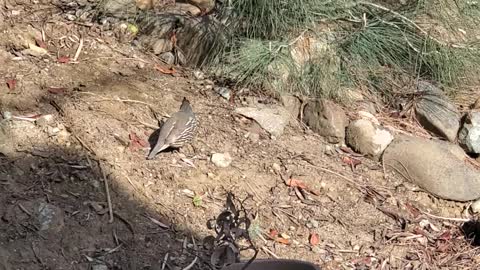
(24, 209)
(188, 267)
(109, 199)
(165, 259)
(269, 252)
(79, 50)
(445, 218)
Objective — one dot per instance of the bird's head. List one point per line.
(185, 107)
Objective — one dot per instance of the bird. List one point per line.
(178, 130)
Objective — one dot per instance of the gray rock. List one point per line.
(435, 166)
(50, 217)
(292, 105)
(161, 46)
(475, 207)
(221, 160)
(436, 113)
(469, 135)
(168, 58)
(273, 119)
(222, 91)
(367, 138)
(327, 119)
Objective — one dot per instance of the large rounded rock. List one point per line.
(436, 166)
(327, 119)
(436, 113)
(367, 138)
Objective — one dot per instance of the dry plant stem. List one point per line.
(109, 199)
(165, 259)
(444, 218)
(188, 267)
(269, 252)
(79, 50)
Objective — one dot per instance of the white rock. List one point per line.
(221, 160)
(367, 138)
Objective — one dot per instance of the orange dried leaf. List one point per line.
(314, 239)
(351, 161)
(165, 70)
(11, 84)
(283, 241)
(296, 183)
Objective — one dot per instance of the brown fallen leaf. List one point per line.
(57, 90)
(63, 59)
(164, 70)
(314, 239)
(292, 182)
(136, 142)
(282, 241)
(353, 162)
(11, 84)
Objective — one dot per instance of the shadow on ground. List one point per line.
(54, 215)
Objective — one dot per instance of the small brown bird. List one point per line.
(178, 130)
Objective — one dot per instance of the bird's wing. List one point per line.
(182, 119)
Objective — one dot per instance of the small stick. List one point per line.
(165, 259)
(109, 200)
(24, 209)
(188, 267)
(269, 252)
(79, 50)
(445, 218)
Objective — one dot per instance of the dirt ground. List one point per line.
(364, 217)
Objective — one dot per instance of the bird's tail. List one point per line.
(157, 149)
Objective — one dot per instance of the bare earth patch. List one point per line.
(102, 119)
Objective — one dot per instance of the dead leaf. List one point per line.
(164, 70)
(136, 142)
(298, 183)
(11, 84)
(63, 59)
(273, 233)
(353, 162)
(56, 90)
(283, 241)
(314, 239)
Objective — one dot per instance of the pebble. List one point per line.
(475, 207)
(276, 167)
(221, 160)
(198, 75)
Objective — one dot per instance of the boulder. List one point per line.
(436, 113)
(368, 138)
(438, 167)
(292, 105)
(469, 135)
(327, 119)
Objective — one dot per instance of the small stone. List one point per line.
(44, 120)
(50, 217)
(198, 75)
(475, 207)
(222, 91)
(140, 65)
(221, 160)
(168, 58)
(276, 167)
(469, 135)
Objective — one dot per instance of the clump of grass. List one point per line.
(257, 63)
